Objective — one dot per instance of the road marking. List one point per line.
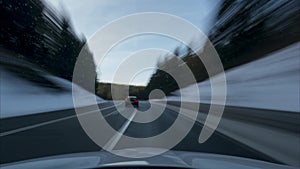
(54, 121)
(115, 139)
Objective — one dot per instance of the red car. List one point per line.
(132, 100)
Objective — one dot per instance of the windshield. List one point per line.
(201, 80)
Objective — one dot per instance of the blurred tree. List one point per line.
(104, 91)
(247, 30)
(42, 36)
(243, 31)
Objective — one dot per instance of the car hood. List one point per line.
(168, 159)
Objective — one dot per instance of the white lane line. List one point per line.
(115, 139)
(54, 121)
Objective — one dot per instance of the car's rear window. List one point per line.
(132, 97)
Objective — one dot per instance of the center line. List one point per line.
(115, 139)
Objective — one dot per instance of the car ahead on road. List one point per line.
(133, 100)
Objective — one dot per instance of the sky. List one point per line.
(89, 16)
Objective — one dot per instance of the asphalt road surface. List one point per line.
(60, 132)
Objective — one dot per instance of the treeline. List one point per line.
(248, 30)
(42, 35)
(120, 91)
(243, 31)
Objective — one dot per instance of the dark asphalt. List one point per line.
(67, 136)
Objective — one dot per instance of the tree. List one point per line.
(42, 36)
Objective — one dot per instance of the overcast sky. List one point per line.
(88, 16)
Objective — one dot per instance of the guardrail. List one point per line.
(273, 133)
(285, 120)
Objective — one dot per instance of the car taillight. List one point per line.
(135, 101)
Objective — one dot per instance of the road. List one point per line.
(59, 132)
